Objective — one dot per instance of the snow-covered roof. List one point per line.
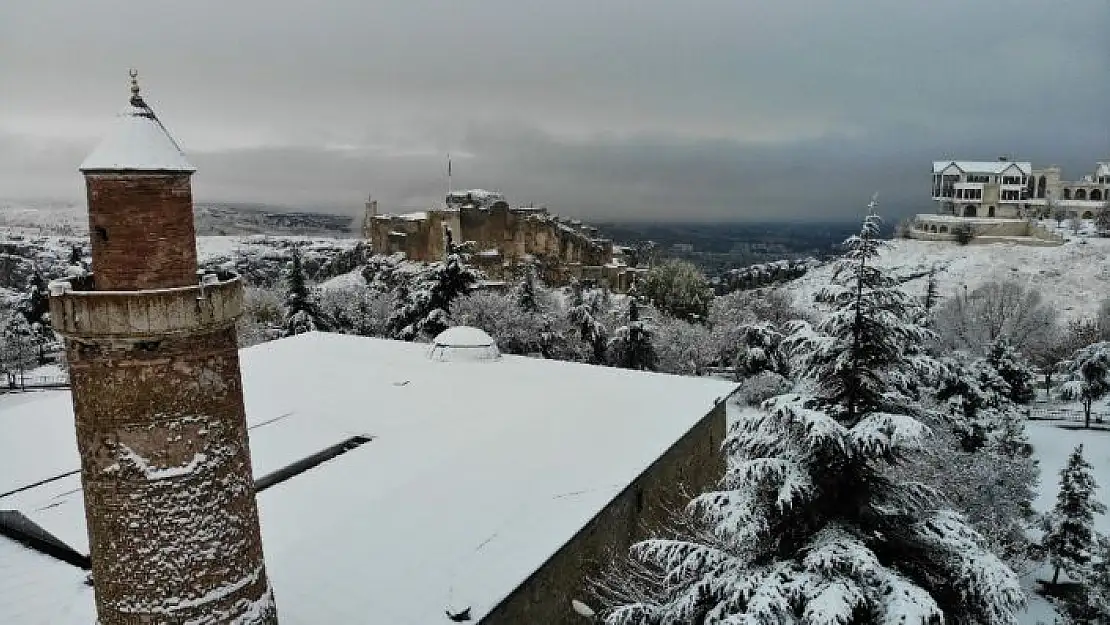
(473, 476)
(983, 167)
(137, 142)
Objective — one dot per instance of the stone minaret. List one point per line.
(161, 429)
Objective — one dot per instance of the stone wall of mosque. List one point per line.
(691, 466)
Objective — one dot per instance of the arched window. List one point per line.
(943, 229)
(1040, 187)
(933, 228)
(1080, 194)
(1067, 194)
(970, 211)
(1096, 195)
(1088, 215)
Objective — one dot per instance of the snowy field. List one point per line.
(1075, 275)
(1052, 442)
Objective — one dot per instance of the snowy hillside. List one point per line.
(1076, 275)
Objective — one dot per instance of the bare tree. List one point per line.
(993, 311)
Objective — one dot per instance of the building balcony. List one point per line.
(78, 311)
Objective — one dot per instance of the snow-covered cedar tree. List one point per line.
(975, 320)
(1014, 369)
(632, 345)
(302, 312)
(810, 525)
(1070, 538)
(760, 351)
(584, 313)
(525, 291)
(423, 309)
(993, 489)
(980, 406)
(1092, 603)
(679, 289)
(35, 307)
(932, 295)
(1089, 377)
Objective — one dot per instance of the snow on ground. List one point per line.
(1075, 275)
(1052, 442)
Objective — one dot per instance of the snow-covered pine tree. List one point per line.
(1089, 370)
(1092, 603)
(581, 315)
(1014, 369)
(525, 292)
(932, 292)
(1070, 538)
(810, 526)
(302, 314)
(975, 395)
(631, 346)
(423, 309)
(35, 307)
(760, 351)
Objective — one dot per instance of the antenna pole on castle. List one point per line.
(449, 189)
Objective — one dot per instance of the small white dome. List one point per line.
(464, 343)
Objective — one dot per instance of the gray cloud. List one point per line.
(620, 109)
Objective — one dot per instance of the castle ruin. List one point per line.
(499, 239)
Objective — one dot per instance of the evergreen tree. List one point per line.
(302, 312)
(810, 525)
(526, 291)
(1070, 538)
(35, 307)
(760, 351)
(1011, 366)
(975, 395)
(932, 292)
(424, 308)
(1089, 369)
(583, 316)
(631, 346)
(1092, 603)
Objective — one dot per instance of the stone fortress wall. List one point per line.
(499, 239)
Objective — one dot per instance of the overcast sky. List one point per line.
(604, 109)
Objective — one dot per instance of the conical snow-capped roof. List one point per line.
(137, 142)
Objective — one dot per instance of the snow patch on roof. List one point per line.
(983, 167)
(137, 142)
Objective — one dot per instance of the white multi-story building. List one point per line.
(982, 188)
(1014, 190)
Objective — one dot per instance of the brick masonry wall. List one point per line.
(141, 226)
(691, 465)
(169, 494)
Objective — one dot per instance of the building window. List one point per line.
(1067, 194)
(1096, 195)
(1080, 194)
(1040, 187)
(1012, 180)
(978, 178)
(990, 211)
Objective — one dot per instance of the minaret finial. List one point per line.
(136, 99)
